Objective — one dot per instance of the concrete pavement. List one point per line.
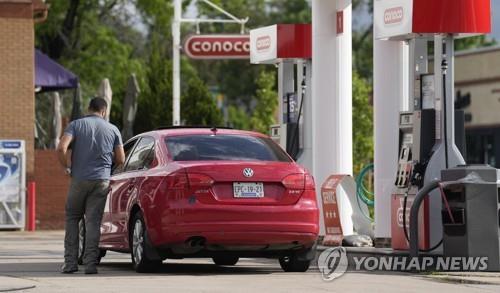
(29, 262)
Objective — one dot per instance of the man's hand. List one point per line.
(62, 150)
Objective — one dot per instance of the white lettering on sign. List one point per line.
(263, 43)
(393, 15)
(220, 47)
(329, 197)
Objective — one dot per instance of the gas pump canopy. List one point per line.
(272, 44)
(404, 19)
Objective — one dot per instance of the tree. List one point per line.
(362, 123)
(267, 101)
(83, 36)
(473, 42)
(237, 117)
(198, 106)
(154, 107)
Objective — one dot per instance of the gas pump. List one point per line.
(289, 47)
(292, 108)
(426, 123)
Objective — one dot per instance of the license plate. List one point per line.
(248, 189)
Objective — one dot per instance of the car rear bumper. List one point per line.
(242, 244)
(233, 227)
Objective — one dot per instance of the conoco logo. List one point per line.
(393, 15)
(263, 43)
(217, 46)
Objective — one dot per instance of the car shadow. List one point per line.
(50, 269)
(196, 269)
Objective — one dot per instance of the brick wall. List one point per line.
(52, 186)
(17, 101)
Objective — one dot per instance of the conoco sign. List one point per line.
(393, 15)
(217, 46)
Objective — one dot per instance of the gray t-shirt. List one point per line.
(94, 140)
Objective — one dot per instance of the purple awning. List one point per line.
(51, 76)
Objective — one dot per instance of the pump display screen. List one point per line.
(407, 139)
(428, 91)
(406, 119)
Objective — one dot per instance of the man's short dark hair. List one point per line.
(98, 104)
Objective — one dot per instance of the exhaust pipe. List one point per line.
(196, 241)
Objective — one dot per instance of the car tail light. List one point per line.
(309, 182)
(294, 181)
(177, 180)
(299, 181)
(199, 180)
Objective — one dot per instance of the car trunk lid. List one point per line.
(238, 183)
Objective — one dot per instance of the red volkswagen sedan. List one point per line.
(210, 192)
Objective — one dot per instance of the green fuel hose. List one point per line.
(362, 193)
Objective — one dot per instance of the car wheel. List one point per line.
(81, 244)
(138, 236)
(293, 264)
(81, 240)
(225, 260)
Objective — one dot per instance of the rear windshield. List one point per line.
(224, 147)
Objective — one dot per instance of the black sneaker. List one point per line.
(69, 269)
(90, 270)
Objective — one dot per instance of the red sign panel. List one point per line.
(331, 215)
(217, 47)
(340, 22)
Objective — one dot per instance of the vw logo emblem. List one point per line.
(248, 172)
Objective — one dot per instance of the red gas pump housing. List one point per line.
(452, 16)
(398, 237)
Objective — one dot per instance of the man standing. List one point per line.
(94, 144)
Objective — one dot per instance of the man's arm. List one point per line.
(62, 150)
(119, 155)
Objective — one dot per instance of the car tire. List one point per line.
(138, 237)
(293, 264)
(225, 260)
(81, 244)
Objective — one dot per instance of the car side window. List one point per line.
(142, 156)
(128, 147)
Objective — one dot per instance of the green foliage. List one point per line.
(267, 101)
(362, 58)
(154, 107)
(198, 106)
(473, 42)
(296, 11)
(104, 57)
(157, 14)
(362, 123)
(80, 36)
(237, 117)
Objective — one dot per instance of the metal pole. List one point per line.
(176, 72)
(222, 11)
(31, 206)
(450, 98)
